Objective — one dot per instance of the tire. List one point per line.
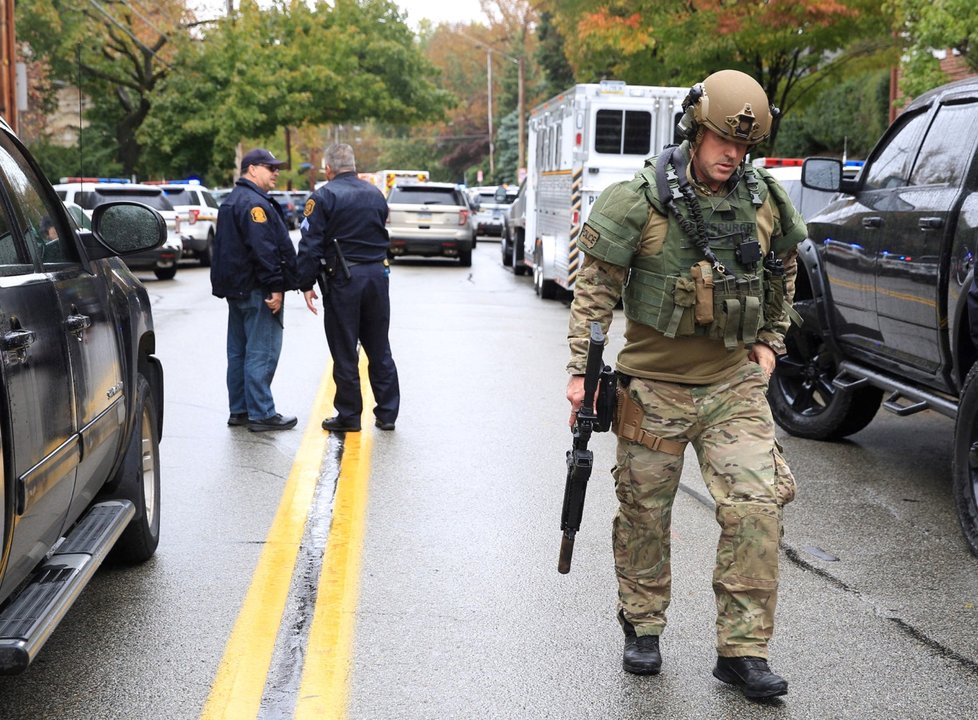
(519, 268)
(506, 250)
(545, 289)
(138, 480)
(207, 254)
(465, 258)
(964, 461)
(803, 399)
(165, 273)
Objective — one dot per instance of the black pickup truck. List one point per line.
(81, 400)
(882, 289)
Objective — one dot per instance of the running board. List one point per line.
(903, 400)
(35, 611)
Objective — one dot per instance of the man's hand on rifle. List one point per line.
(311, 295)
(575, 395)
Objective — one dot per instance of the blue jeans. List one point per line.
(254, 345)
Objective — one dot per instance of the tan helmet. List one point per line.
(732, 104)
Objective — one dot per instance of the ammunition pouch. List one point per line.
(628, 426)
(737, 311)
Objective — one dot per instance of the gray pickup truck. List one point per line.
(882, 288)
(81, 402)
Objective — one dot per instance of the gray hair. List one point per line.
(340, 157)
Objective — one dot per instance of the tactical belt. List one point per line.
(629, 427)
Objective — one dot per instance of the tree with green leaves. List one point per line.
(792, 49)
(116, 51)
(928, 26)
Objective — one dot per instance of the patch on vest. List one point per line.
(258, 215)
(589, 236)
(310, 206)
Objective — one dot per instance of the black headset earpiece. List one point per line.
(687, 123)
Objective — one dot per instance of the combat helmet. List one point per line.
(730, 103)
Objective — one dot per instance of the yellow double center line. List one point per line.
(240, 683)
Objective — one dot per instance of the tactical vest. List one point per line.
(678, 291)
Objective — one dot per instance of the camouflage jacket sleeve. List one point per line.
(596, 292)
(772, 334)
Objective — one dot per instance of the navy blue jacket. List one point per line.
(349, 209)
(252, 247)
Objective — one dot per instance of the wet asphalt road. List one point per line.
(461, 613)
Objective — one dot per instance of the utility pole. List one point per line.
(8, 64)
(492, 146)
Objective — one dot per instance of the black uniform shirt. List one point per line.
(351, 210)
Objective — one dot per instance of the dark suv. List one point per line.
(81, 400)
(882, 288)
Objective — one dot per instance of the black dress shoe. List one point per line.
(751, 675)
(338, 424)
(383, 425)
(238, 419)
(641, 656)
(275, 422)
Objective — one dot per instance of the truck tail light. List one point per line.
(176, 223)
(463, 217)
(194, 214)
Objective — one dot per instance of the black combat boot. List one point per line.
(641, 656)
(751, 675)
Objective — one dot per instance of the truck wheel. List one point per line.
(519, 267)
(964, 462)
(465, 257)
(207, 254)
(506, 248)
(139, 481)
(546, 289)
(803, 399)
(165, 273)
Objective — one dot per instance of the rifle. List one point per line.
(590, 417)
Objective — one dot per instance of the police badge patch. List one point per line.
(589, 236)
(258, 214)
(310, 206)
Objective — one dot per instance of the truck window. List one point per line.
(891, 166)
(623, 132)
(944, 156)
(39, 220)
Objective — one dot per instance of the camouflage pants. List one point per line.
(730, 427)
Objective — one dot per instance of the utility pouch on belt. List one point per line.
(703, 277)
(628, 426)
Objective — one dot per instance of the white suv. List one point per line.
(89, 193)
(195, 203)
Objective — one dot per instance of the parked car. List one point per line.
(513, 241)
(882, 289)
(787, 171)
(430, 219)
(90, 193)
(195, 203)
(493, 208)
(287, 202)
(82, 401)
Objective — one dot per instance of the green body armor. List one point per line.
(661, 290)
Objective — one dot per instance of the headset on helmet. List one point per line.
(730, 103)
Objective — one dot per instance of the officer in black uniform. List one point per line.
(344, 237)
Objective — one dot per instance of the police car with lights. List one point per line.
(89, 193)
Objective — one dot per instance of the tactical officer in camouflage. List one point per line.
(700, 247)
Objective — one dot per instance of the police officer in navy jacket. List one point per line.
(344, 235)
(252, 266)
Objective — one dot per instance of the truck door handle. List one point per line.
(872, 222)
(17, 339)
(78, 323)
(930, 223)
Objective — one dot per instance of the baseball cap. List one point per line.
(260, 156)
